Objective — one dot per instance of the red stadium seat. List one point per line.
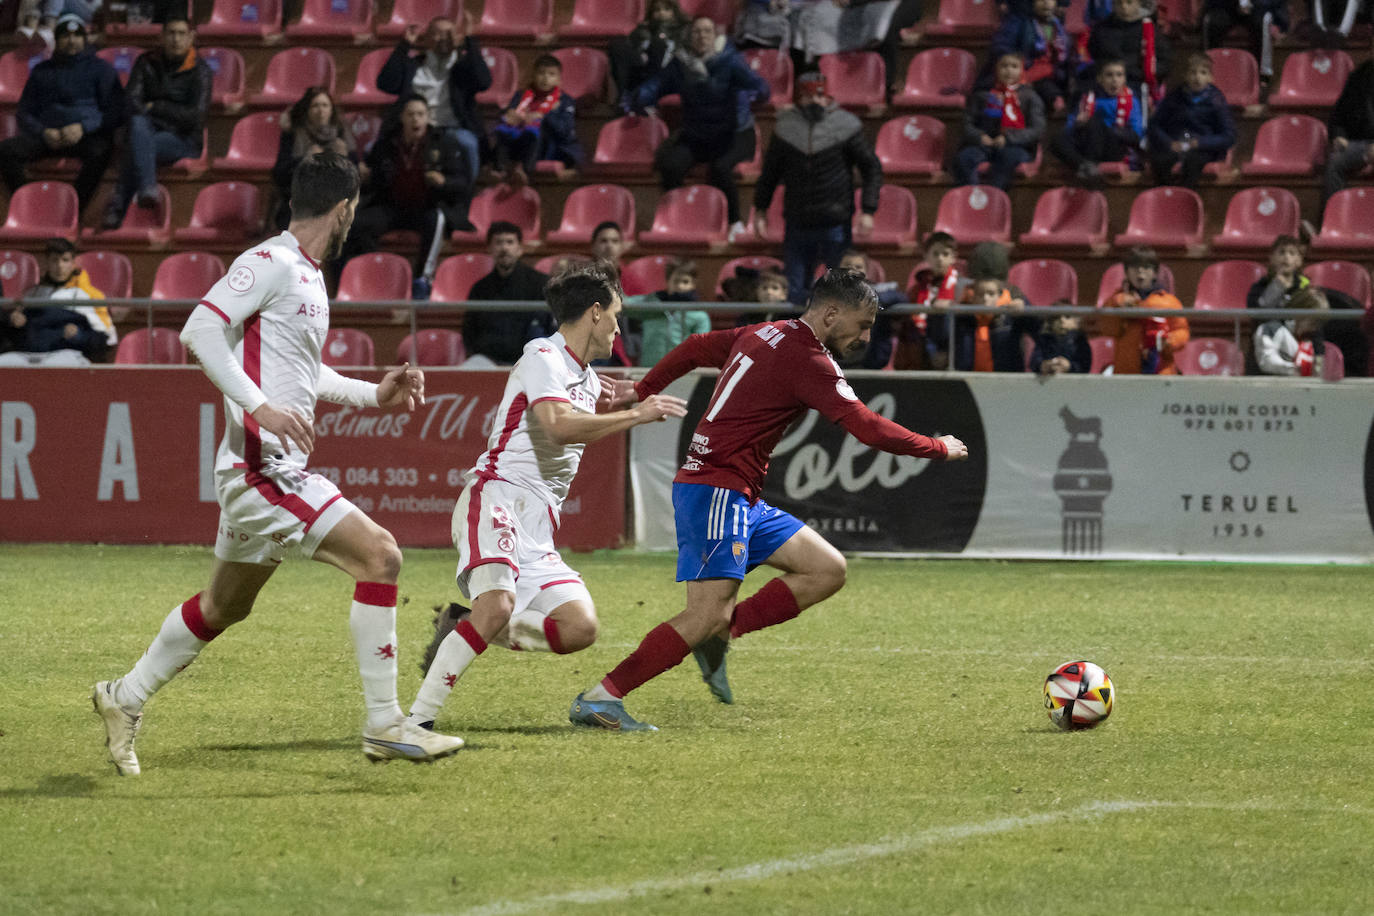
(365, 91)
(1333, 366)
(975, 213)
(333, 19)
(1209, 356)
(626, 145)
(516, 19)
(41, 210)
(347, 347)
(1225, 284)
(722, 12)
(224, 212)
(186, 275)
(856, 79)
(586, 72)
(752, 262)
(938, 78)
(150, 346)
(290, 71)
(775, 67)
(592, 204)
(895, 221)
(1165, 218)
(432, 347)
(694, 215)
(227, 66)
(1344, 276)
(964, 17)
(1255, 215)
(253, 144)
(455, 276)
(505, 76)
(1068, 217)
(146, 225)
(19, 271)
(405, 12)
(364, 127)
(602, 18)
(122, 58)
(14, 71)
(503, 202)
(550, 263)
(110, 272)
(913, 145)
(246, 18)
(1115, 275)
(1045, 281)
(1291, 144)
(373, 277)
(645, 275)
(1348, 221)
(1236, 74)
(1311, 79)
(1104, 353)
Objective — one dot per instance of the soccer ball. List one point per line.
(1079, 695)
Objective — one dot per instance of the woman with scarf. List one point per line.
(539, 123)
(313, 125)
(1002, 127)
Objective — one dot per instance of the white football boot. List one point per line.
(121, 728)
(402, 740)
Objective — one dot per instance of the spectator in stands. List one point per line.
(764, 24)
(501, 336)
(1191, 127)
(986, 343)
(665, 330)
(1144, 346)
(540, 123)
(1284, 279)
(417, 180)
(1060, 347)
(169, 98)
(717, 89)
(447, 70)
(1293, 346)
(70, 106)
(878, 353)
(608, 242)
(1260, 18)
(313, 125)
(640, 56)
(1350, 127)
(45, 329)
(937, 283)
(1046, 48)
(1002, 127)
(1334, 36)
(1106, 125)
(1131, 36)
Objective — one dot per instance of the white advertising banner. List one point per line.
(1248, 469)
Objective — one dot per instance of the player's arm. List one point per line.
(402, 385)
(699, 351)
(566, 426)
(822, 388)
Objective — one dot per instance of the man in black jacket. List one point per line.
(169, 96)
(815, 149)
(1351, 129)
(501, 336)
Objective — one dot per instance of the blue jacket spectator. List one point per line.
(1192, 126)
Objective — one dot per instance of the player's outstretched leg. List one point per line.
(491, 611)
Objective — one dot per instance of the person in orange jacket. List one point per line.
(1144, 346)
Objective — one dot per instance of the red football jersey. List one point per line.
(770, 374)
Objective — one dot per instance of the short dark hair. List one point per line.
(320, 183)
(59, 246)
(504, 227)
(406, 99)
(1285, 241)
(1141, 256)
(847, 288)
(577, 287)
(680, 266)
(1105, 62)
(1199, 59)
(939, 238)
(179, 15)
(604, 225)
(547, 60)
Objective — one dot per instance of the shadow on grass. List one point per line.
(313, 744)
(59, 785)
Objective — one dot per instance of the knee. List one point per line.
(578, 631)
(834, 572)
(382, 562)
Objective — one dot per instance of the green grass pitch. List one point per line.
(888, 751)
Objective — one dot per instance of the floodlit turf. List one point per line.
(888, 752)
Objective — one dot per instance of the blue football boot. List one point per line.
(608, 714)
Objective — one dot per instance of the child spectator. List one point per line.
(1293, 346)
(1131, 37)
(1191, 128)
(1060, 347)
(1043, 42)
(666, 330)
(879, 352)
(1144, 346)
(1105, 126)
(936, 284)
(1002, 126)
(640, 56)
(1259, 17)
(539, 123)
(987, 343)
(88, 329)
(1285, 278)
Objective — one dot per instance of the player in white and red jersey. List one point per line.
(770, 375)
(258, 334)
(523, 594)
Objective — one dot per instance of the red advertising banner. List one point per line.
(125, 456)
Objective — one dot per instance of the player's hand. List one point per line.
(402, 385)
(615, 393)
(288, 426)
(957, 449)
(660, 407)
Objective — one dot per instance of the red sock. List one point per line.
(661, 649)
(195, 621)
(470, 635)
(770, 605)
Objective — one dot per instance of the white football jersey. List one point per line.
(519, 450)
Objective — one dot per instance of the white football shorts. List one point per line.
(264, 512)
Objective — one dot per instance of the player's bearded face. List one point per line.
(340, 234)
(849, 330)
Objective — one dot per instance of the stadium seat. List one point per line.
(1068, 217)
(626, 145)
(895, 221)
(111, 272)
(244, 18)
(776, 68)
(1209, 356)
(1311, 79)
(1165, 218)
(253, 144)
(1104, 353)
(41, 210)
(150, 346)
(146, 225)
(1348, 221)
(1255, 215)
(1236, 74)
(9, 126)
(19, 271)
(938, 78)
(404, 12)
(186, 275)
(122, 58)
(14, 71)
(549, 263)
(1115, 275)
(502, 202)
(752, 262)
(332, 19)
(1292, 144)
(1225, 284)
(964, 17)
(364, 127)
(1045, 281)
(516, 19)
(347, 347)
(645, 275)
(378, 276)
(602, 18)
(586, 73)
(365, 91)
(227, 66)
(722, 12)
(911, 145)
(856, 79)
(592, 204)
(224, 212)
(432, 347)
(455, 276)
(1345, 276)
(975, 213)
(290, 71)
(505, 76)
(1333, 365)
(694, 215)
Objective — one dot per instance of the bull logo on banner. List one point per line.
(1082, 483)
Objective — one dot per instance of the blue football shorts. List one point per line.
(721, 536)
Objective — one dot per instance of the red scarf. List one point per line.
(1148, 62)
(929, 291)
(1012, 118)
(539, 104)
(1125, 104)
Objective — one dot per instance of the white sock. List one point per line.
(599, 694)
(456, 652)
(176, 645)
(527, 632)
(372, 621)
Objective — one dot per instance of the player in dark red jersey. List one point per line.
(770, 375)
